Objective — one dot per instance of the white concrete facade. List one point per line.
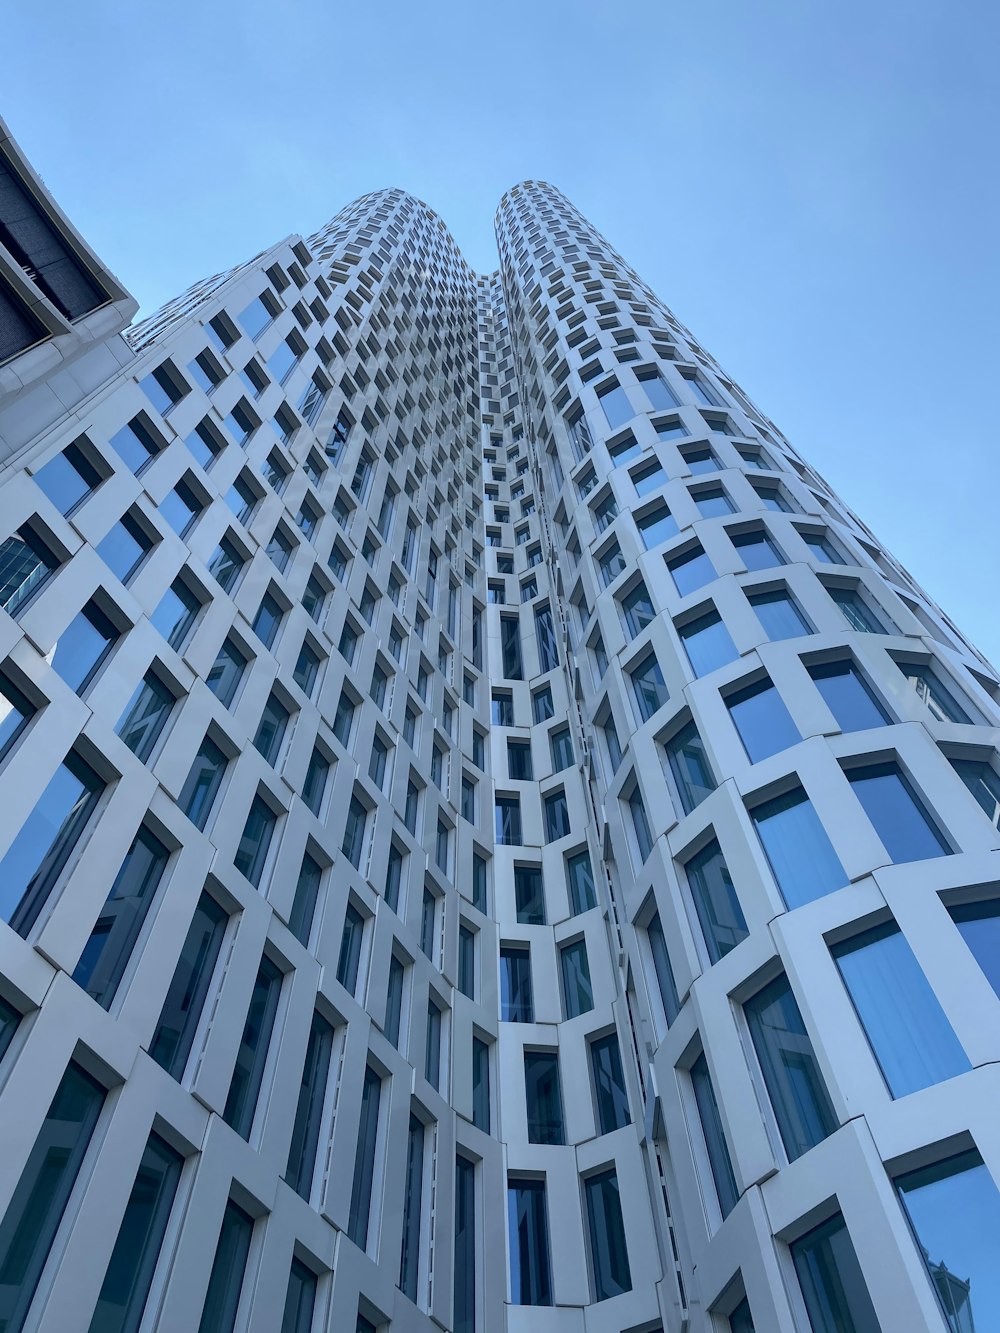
(443, 521)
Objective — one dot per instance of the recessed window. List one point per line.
(899, 818)
(124, 548)
(83, 647)
(798, 848)
(719, 912)
(656, 526)
(543, 1097)
(70, 477)
(516, 1003)
(528, 1228)
(762, 720)
(715, 1139)
(689, 767)
(649, 687)
(637, 609)
(712, 502)
(779, 614)
(615, 404)
(145, 716)
(135, 444)
(848, 696)
(690, 570)
(176, 613)
(756, 549)
(832, 1283)
(857, 611)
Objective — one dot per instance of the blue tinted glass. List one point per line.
(798, 849)
(905, 1025)
(616, 405)
(779, 616)
(832, 1283)
(899, 818)
(762, 720)
(68, 478)
(658, 392)
(123, 548)
(691, 571)
(715, 1139)
(82, 645)
(718, 907)
(713, 503)
(657, 526)
(757, 551)
(707, 643)
(979, 925)
(954, 1208)
(847, 696)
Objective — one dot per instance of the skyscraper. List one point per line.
(490, 840)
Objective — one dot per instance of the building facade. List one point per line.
(490, 841)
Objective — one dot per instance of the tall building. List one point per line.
(490, 841)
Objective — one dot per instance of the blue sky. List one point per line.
(812, 188)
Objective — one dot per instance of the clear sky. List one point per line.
(812, 187)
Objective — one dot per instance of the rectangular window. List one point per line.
(617, 410)
(409, 1259)
(176, 613)
(609, 1084)
(662, 970)
(185, 998)
(68, 478)
(31, 868)
(756, 549)
(43, 1192)
(858, 614)
(637, 608)
(779, 615)
(107, 952)
(83, 647)
(707, 643)
(251, 854)
(203, 782)
(609, 1266)
(354, 832)
(529, 896)
(129, 1277)
(508, 821)
(271, 729)
(556, 816)
(979, 926)
(719, 912)
(251, 1056)
(142, 723)
(122, 550)
(351, 939)
(466, 961)
(898, 816)
(906, 1027)
(543, 1097)
(428, 922)
(527, 1218)
(25, 565)
(640, 824)
(510, 647)
(715, 1139)
(689, 767)
(464, 1316)
(691, 570)
(303, 911)
(480, 1084)
(135, 444)
(516, 1002)
(267, 620)
(848, 697)
(580, 882)
(519, 767)
(762, 721)
(798, 849)
(712, 502)
(657, 526)
(364, 1162)
(577, 988)
(649, 687)
(314, 785)
(954, 1210)
(833, 1286)
(788, 1065)
(545, 636)
(394, 1000)
(225, 1286)
(300, 1299)
(432, 1045)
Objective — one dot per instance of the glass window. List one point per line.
(527, 1218)
(271, 729)
(176, 613)
(303, 911)
(788, 1064)
(125, 547)
(580, 882)
(657, 526)
(519, 760)
(954, 1209)
(543, 1097)
(309, 1108)
(203, 782)
(637, 610)
(941, 703)
(689, 767)
(847, 695)
(354, 832)
(126, 1284)
(822, 549)
(428, 922)
(300, 1299)
(508, 821)
(344, 718)
(707, 643)
(68, 478)
(606, 1234)
(649, 686)
(16, 711)
(185, 998)
(135, 444)
(251, 854)
(756, 549)
(762, 720)
(180, 507)
(409, 1260)
(722, 922)
(25, 565)
(700, 460)
(617, 410)
(690, 570)
(251, 1056)
(899, 818)
(556, 816)
(516, 1003)
(222, 1300)
(480, 1084)
(529, 897)
(267, 620)
(464, 1310)
(351, 939)
(858, 614)
(798, 849)
(225, 563)
(741, 1320)
(832, 1283)
(43, 1192)
(779, 615)
(107, 952)
(906, 1027)
(47, 839)
(578, 990)
(648, 478)
(640, 824)
(542, 705)
(664, 973)
(712, 502)
(143, 720)
(609, 1084)
(306, 670)
(466, 961)
(979, 925)
(715, 1139)
(510, 646)
(364, 1162)
(659, 394)
(82, 647)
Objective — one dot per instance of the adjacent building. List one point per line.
(490, 841)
